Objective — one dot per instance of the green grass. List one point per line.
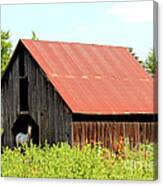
(61, 161)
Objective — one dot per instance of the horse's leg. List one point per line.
(17, 141)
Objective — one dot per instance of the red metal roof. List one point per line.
(95, 79)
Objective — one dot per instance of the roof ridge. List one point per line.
(76, 42)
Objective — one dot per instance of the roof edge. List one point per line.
(76, 42)
(11, 59)
(116, 113)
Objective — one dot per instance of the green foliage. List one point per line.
(34, 36)
(6, 46)
(62, 161)
(151, 63)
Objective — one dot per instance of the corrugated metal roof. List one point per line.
(95, 79)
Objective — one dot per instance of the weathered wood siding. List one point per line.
(9, 103)
(46, 107)
(108, 132)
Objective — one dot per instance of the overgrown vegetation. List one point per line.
(6, 47)
(62, 161)
(151, 63)
(34, 36)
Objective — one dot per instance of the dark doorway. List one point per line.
(21, 125)
(24, 94)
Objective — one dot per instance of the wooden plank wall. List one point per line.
(109, 133)
(46, 106)
(9, 103)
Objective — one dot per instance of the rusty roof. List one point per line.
(95, 79)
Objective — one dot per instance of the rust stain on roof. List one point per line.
(94, 79)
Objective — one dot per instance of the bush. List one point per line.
(62, 161)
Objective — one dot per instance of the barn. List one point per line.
(77, 93)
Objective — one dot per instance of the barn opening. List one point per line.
(23, 83)
(23, 94)
(21, 125)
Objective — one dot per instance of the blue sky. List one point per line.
(113, 23)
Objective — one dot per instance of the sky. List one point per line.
(113, 23)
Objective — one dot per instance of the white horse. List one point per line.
(22, 138)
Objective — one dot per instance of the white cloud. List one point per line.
(133, 11)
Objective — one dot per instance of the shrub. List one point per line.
(62, 161)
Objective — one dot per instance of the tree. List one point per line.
(6, 49)
(151, 63)
(34, 37)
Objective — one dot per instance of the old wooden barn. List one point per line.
(77, 93)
